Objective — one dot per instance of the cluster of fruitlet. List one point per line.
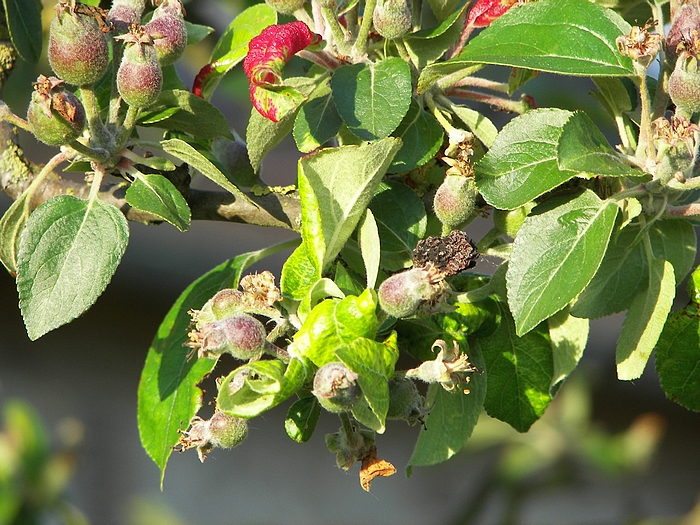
(79, 55)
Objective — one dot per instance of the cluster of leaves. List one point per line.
(584, 230)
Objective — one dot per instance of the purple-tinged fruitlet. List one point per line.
(242, 336)
(78, 51)
(168, 31)
(56, 116)
(401, 294)
(125, 13)
(336, 388)
(139, 77)
(454, 200)
(684, 84)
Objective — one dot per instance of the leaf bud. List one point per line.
(139, 77)
(56, 116)
(125, 13)
(454, 200)
(168, 31)
(78, 51)
(285, 7)
(392, 18)
(336, 388)
(242, 336)
(405, 402)
(401, 294)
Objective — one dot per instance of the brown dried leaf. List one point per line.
(373, 467)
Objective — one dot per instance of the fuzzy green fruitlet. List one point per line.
(56, 116)
(336, 388)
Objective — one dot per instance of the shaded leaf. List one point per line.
(23, 19)
(301, 419)
(421, 134)
(155, 194)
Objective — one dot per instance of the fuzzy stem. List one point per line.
(482, 83)
(132, 115)
(7, 115)
(98, 154)
(645, 148)
(348, 428)
(98, 133)
(360, 47)
(336, 30)
(114, 97)
(504, 104)
(437, 113)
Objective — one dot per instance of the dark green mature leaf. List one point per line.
(373, 98)
(422, 136)
(522, 162)
(68, 253)
(677, 354)
(624, 271)
(442, 9)
(262, 135)
(576, 37)
(335, 187)
(157, 195)
(401, 220)
(519, 372)
(301, 419)
(452, 418)
(316, 123)
(645, 321)
(439, 70)
(194, 115)
(555, 255)
(23, 19)
(168, 396)
(197, 32)
(428, 45)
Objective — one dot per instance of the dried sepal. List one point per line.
(449, 368)
(641, 45)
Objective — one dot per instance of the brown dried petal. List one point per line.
(373, 467)
(451, 255)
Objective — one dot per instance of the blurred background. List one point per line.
(606, 452)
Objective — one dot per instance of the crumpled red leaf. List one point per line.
(267, 54)
(483, 12)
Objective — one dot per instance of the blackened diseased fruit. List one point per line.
(139, 78)
(451, 254)
(242, 336)
(401, 294)
(168, 31)
(125, 13)
(227, 431)
(336, 388)
(454, 200)
(392, 18)
(405, 402)
(684, 84)
(56, 116)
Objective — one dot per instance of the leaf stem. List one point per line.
(348, 428)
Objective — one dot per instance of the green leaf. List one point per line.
(232, 47)
(584, 149)
(451, 420)
(11, 226)
(435, 72)
(68, 253)
(576, 37)
(322, 289)
(645, 321)
(481, 126)
(422, 136)
(197, 32)
(522, 162)
(402, 222)
(428, 45)
(624, 271)
(335, 186)
(316, 123)
(519, 372)
(677, 355)
(368, 239)
(195, 115)
(442, 9)
(262, 135)
(187, 153)
(155, 194)
(23, 19)
(373, 98)
(168, 396)
(267, 384)
(301, 419)
(299, 274)
(374, 363)
(333, 324)
(555, 255)
(568, 336)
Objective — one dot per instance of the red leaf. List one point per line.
(483, 12)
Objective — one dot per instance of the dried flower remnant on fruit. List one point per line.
(671, 134)
(640, 44)
(221, 431)
(373, 467)
(55, 116)
(458, 153)
(448, 368)
(451, 254)
(125, 13)
(139, 77)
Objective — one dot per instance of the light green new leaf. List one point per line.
(451, 420)
(335, 186)
(481, 126)
(157, 195)
(568, 336)
(168, 395)
(645, 321)
(368, 239)
(11, 226)
(68, 253)
(555, 255)
(187, 153)
(299, 274)
(575, 37)
(522, 163)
